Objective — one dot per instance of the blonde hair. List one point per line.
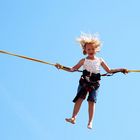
(89, 39)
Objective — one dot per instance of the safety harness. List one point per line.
(88, 82)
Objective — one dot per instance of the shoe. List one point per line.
(71, 120)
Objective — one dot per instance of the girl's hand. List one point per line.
(72, 70)
(124, 71)
(58, 66)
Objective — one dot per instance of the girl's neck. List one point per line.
(91, 57)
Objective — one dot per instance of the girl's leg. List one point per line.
(91, 110)
(77, 107)
(75, 111)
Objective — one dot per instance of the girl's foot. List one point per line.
(89, 126)
(71, 120)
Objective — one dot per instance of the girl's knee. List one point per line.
(91, 102)
(80, 99)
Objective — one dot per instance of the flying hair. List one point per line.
(85, 38)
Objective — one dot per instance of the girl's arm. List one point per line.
(74, 68)
(108, 70)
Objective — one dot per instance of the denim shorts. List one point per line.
(92, 96)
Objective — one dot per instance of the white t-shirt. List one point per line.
(92, 66)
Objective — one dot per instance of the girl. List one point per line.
(89, 81)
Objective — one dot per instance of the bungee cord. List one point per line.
(25, 57)
(52, 64)
(36, 60)
(133, 70)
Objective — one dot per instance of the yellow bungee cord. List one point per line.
(44, 62)
(36, 60)
(133, 70)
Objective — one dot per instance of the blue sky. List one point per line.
(36, 98)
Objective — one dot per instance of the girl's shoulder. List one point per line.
(82, 60)
(99, 59)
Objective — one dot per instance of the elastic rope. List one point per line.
(63, 67)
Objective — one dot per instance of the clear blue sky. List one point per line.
(35, 98)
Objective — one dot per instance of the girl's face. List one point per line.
(90, 49)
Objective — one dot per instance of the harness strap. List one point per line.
(89, 81)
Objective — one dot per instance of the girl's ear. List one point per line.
(84, 49)
(84, 52)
